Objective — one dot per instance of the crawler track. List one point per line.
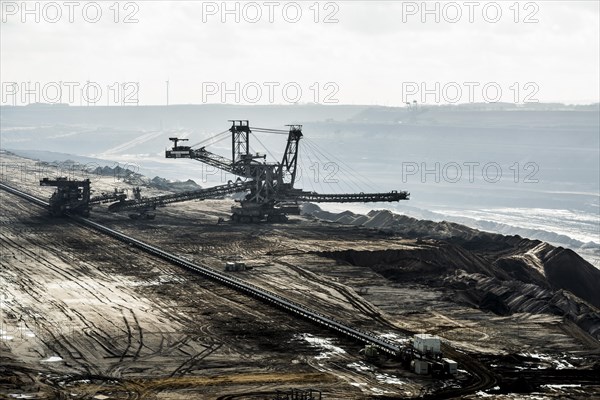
(482, 377)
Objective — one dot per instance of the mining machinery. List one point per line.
(142, 208)
(116, 195)
(270, 185)
(73, 196)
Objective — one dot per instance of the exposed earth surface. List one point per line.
(87, 317)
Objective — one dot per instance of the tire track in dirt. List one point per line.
(192, 361)
(141, 335)
(128, 338)
(353, 298)
(93, 331)
(60, 272)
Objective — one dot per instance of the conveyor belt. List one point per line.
(200, 194)
(26, 196)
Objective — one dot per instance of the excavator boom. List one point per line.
(352, 197)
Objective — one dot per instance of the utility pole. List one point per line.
(167, 92)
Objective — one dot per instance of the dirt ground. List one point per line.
(84, 316)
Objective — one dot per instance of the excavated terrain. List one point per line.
(87, 317)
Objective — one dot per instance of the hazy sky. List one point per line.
(376, 53)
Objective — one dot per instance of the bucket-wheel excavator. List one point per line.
(271, 195)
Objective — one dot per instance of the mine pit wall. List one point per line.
(461, 247)
(495, 290)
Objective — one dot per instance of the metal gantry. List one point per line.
(272, 194)
(71, 196)
(74, 196)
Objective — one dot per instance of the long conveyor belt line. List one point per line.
(35, 200)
